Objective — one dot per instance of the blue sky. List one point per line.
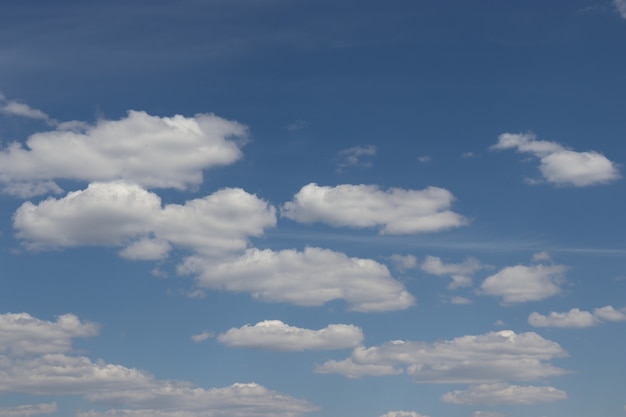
(312, 208)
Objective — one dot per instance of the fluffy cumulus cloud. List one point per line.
(276, 335)
(29, 410)
(461, 274)
(504, 394)
(402, 414)
(560, 165)
(23, 334)
(488, 358)
(577, 318)
(123, 214)
(307, 278)
(151, 151)
(521, 283)
(395, 211)
(50, 369)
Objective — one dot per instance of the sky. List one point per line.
(298, 208)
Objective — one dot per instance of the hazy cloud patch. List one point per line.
(28, 410)
(357, 156)
(503, 394)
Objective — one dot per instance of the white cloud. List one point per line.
(488, 358)
(23, 334)
(520, 283)
(278, 336)
(309, 278)
(620, 5)
(576, 317)
(15, 108)
(402, 414)
(122, 214)
(147, 150)
(403, 262)
(396, 211)
(559, 165)
(424, 159)
(34, 361)
(503, 394)
(201, 337)
(297, 125)
(28, 410)
(356, 156)
(460, 273)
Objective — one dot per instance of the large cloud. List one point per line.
(521, 283)
(276, 335)
(123, 214)
(151, 151)
(487, 358)
(577, 318)
(559, 165)
(504, 394)
(47, 371)
(395, 211)
(308, 278)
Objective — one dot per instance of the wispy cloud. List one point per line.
(357, 156)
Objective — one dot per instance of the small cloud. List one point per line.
(487, 414)
(460, 300)
(541, 257)
(461, 273)
(424, 159)
(29, 410)
(297, 125)
(202, 336)
(467, 155)
(499, 323)
(357, 156)
(559, 165)
(504, 394)
(403, 262)
(576, 318)
(15, 108)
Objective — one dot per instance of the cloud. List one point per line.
(402, 414)
(620, 6)
(488, 358)
(23, 334)
(460, 300)
(559, 165)
(309, 278)
(577, 318)
(520, 283)
(15, 108)
(28, 410)
(487, 414)
(504, 394)
(297, 125)
(278, 336)
(151, 151)
(201, 337)
(460, 273)
(355, 157)
(122, 214)
(47, 369)
(403, 262)
(396, 211)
